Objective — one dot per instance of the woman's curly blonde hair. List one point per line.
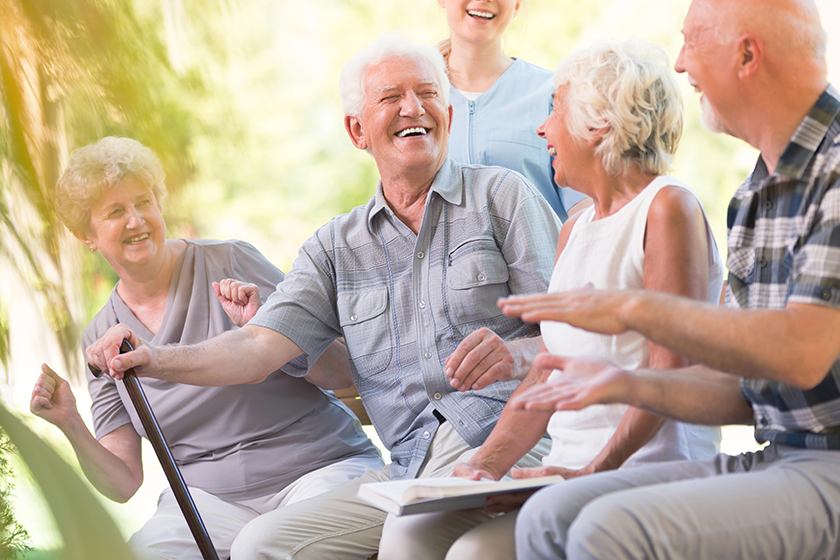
(94, 169)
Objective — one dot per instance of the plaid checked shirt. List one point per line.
(403, 302)
(784, 246)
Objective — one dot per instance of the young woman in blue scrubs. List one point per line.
(498, 101)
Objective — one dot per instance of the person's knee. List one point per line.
(256, 542)
(471, 546)
(606, 529)
(163, 537)
(543, 522)
(397, 545)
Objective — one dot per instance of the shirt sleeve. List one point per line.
(249, 265)
(303, 308)
(815, 276)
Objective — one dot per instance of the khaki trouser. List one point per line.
(781, 503)
(339, 526)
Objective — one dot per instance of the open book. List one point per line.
(422, 495)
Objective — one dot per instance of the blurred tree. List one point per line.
(72, 71)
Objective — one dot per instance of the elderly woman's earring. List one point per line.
(92, 249)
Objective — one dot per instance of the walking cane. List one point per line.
(173, 475)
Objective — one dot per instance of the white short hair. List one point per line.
(351, 84)
(628, 89)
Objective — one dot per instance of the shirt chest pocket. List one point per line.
(363, 317)
(476, 276)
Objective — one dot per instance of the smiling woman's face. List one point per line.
(571, 154)
(127, 227)
(479, 21)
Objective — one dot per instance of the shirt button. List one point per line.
(826, 294)
(768, 204)
(422, 304)
(437, 396)
(762, 262)
(763, 421)
(353, 317)
(480, 278)
(428, 355)
(426, 435)
(420, 255)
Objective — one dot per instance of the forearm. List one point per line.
(635, 430)
(696, 395)
(109, 474)
(795, 345)
(516, 433)
(244, 356)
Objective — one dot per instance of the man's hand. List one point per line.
(598, 311)
(104, 354)
(240, 300)
(483, 358)
(52, 399)
(585, 381)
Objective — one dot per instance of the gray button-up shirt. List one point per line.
(403, 302)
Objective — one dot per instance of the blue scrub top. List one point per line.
(500, 128)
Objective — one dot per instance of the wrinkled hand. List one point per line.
(536, 472)
(593, 310)
(240, 300)
(52, 398)
(105, 353)
(482, 358)
(585, 381)
(472, 471)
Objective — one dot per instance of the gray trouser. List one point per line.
(339, 526)
(779, 503)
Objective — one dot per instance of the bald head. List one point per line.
(789, 27)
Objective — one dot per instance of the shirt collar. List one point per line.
(809, 135)
(448, 184)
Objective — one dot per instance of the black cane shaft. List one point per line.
(167, 461)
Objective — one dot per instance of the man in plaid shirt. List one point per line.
(769, 359)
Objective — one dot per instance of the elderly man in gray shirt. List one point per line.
(410, 280)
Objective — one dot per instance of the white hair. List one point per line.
(351, 84)
(628, 89)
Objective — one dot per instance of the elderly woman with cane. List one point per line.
(243, 450)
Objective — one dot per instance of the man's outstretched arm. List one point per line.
(796, 345)
(697, 394)
(246, 355)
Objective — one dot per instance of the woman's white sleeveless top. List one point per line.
(609, 254)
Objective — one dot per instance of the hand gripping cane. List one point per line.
(173, 475)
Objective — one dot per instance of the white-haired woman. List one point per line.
(615, 126)
(243, 450)
(498, 101)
